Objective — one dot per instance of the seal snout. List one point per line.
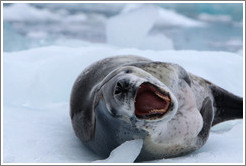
(151, 102)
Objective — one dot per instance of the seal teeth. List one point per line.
(154, 111)
(162, 96)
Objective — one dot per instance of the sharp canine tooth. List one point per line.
(161, 96)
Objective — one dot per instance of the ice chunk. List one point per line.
(15, 13)
(132, 6)
(214, 18)
(13, 41)
(225, 126)
(125, 153)
(234, 44)
(165, 17)
(130, 29)
(28, 13)
(168, 17)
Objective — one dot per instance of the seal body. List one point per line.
(129, 97)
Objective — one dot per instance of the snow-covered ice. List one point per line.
(36, 90)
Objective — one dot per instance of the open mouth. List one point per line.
(151, 102)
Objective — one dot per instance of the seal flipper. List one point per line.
(228, 106)
(207, 115)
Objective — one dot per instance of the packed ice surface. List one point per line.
(36, 90)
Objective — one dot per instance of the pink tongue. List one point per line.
(147, 101)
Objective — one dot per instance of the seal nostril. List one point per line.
(122, 86)
(119, 85)
(118, 88)
(117, 91)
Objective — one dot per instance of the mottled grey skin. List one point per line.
(103, 120)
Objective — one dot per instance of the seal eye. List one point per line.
(128, 71)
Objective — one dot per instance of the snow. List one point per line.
(36, 90)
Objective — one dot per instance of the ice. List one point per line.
(169, 18)
(125, 153)
(214, 18)
(177, 27)
(107, 9)
(234, 10)
(36, 90)
(12, 41)
(165, 17)
(130, 29)
(235, 44)
(15, 13)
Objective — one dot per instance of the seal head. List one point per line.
(129, 101)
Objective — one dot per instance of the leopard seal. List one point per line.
(130, 97)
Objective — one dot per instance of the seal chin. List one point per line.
(151, 102)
